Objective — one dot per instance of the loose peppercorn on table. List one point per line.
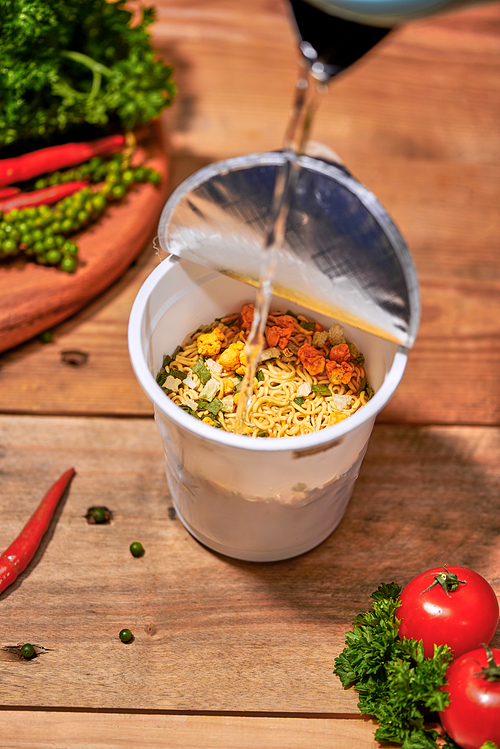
(225, 653)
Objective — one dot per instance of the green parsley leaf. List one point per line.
(321, 390)
(259, 375)
(202, 371)
(395, 682)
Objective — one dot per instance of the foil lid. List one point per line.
(342, 255)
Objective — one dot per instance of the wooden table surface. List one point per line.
(236, 654)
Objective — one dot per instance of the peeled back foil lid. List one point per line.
(342, 255)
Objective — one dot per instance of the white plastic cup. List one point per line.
(254, 499)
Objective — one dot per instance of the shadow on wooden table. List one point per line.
(424, 498)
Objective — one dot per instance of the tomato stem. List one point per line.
(447, 580)
(492, 671)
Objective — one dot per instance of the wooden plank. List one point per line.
(44, 730)
(211, 633)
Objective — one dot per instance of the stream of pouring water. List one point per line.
(301, 117)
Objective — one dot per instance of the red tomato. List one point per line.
(473, 715)
(448, 605)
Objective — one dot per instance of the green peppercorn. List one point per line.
(70, 211)
(82, 216)
(26, 239)
(11, 231)
(12, 215)
(38, 247)
(136, 549)
(68, 265)
(114, 166)
(53, 257)
(37, 235)
(27, 651)
(125, 635)
(98, 514)
(118, 191)
(9, 246)
(140, 174)
(47, 336)
(98, 202)
(128, 177)
(154, 177)
(69, 247)
(49, 242)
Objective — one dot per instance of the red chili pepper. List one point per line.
(21, 551)
(8, 192)
(49, 159)
(45, 196)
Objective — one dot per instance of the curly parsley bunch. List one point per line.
(395, 682)
(71, 63)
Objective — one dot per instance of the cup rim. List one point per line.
(220, 437)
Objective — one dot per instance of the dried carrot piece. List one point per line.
(312, 359)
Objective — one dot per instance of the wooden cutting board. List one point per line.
(33, 298)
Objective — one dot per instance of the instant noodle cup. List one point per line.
(249, 498)
(342, 260)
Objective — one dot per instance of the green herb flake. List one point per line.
(259, 375)
(166, 360)
(362, 385)
(299, 400)
(202, 371)
(292, 314)
(189, 410)
(177, 373)
(161, 377)
(213, 407)
(353, 351)
(321, 390)
(307, 325)
(395, 682)
(262, 434)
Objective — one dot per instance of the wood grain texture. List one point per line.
(49, 730)
(416, 122)
(33, 298)
(211, 633)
